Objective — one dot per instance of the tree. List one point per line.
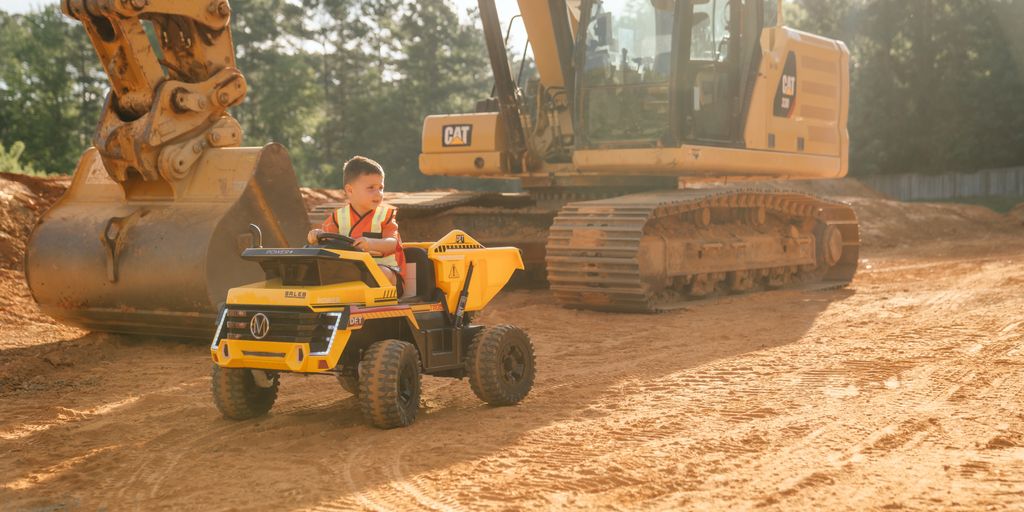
(443, 69)
(51, 87)
(327, 78)
(9, 160)
(934, 83)
(281, 103)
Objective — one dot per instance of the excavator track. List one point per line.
(660, 251)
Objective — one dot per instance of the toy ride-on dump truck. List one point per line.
(328, 309)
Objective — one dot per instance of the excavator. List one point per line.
(644, 147)
(147, 238)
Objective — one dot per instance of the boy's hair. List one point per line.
(358, 166)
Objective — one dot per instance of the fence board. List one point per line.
(910, 187)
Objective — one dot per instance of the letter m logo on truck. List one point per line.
(456, 135)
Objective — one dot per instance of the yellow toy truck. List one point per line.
(328, 309)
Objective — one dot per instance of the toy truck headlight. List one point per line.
(331, 322)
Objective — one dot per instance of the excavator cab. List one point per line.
(624, 75)
(661, 73)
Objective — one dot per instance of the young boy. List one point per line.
(365, 219)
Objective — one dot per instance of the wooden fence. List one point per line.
(910, 187)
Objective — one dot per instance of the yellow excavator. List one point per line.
(640, 146)
(148, 236)
(643, 147)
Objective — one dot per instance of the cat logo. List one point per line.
(460, 239)
(456, 135)
(785, 94)
(454, 274)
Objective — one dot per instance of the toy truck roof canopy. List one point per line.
(311, 266)
(456, 265)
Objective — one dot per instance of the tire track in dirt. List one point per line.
(887, 437)
(907, 434)
(783, 400)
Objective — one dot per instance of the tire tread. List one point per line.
(379, 373)
(483, 364)
(237, 396)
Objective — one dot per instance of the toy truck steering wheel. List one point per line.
(336, 240)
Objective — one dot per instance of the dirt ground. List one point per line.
(902, 391)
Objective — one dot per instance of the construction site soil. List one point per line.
(902, 391)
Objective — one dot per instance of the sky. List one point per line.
(506, 10)
(21, 5)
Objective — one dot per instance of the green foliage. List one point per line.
(935, 83)
(51, 87)
(281, 103)
(327, 78)
(9, 160)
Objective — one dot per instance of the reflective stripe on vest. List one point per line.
(343, 216)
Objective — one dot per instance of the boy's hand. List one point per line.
(362, 243)
(311, 237)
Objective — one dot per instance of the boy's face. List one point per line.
(365, 192)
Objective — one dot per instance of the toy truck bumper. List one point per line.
(279, 355)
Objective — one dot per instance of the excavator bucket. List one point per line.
(140, 258)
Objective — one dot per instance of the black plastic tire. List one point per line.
(501, 365)
(237, 395)
(389, 384)
(349, 383)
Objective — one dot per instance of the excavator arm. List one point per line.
(506, 139)
(147, 238)
(165, 106)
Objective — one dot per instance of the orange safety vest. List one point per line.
(343, 217)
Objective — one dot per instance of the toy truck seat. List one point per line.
(422, 278)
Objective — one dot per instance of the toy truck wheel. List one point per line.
(389, 383)
(241, 393)
(349, 383)
(501, 365)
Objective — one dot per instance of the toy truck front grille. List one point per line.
(288, 326)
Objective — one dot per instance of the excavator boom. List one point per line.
(147, 238)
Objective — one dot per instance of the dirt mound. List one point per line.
(1017, 213)
(846, 187)
(22, 200)
(889, 224)
(313, 197)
